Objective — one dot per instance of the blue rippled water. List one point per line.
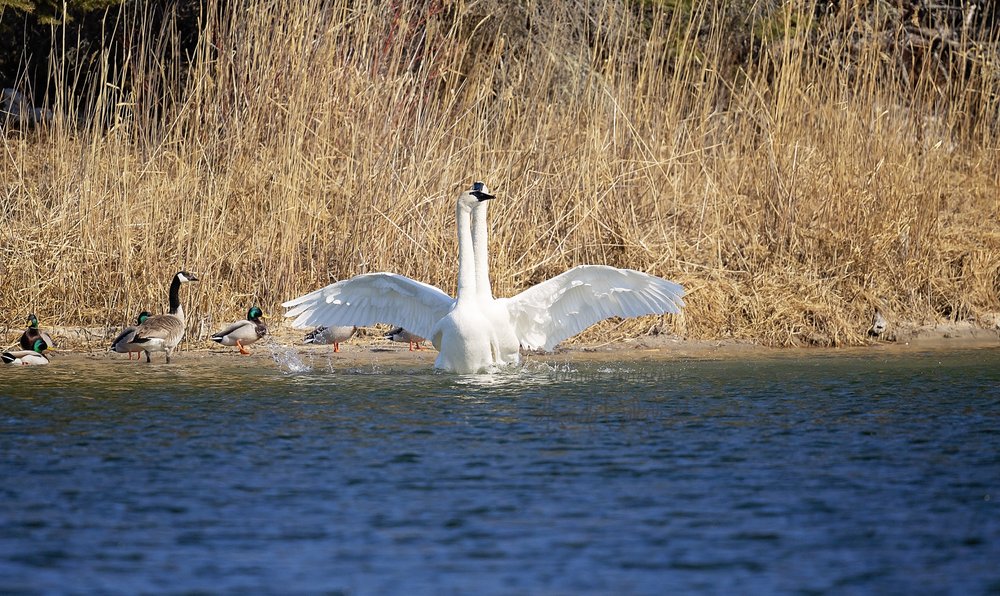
(852, 473)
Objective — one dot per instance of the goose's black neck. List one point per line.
(175, 295)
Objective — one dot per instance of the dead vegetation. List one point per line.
(793, 179)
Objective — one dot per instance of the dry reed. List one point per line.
(311, 141)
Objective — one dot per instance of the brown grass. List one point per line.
(310, 141)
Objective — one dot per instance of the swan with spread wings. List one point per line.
(475, 332)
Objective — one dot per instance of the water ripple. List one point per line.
(823, 474)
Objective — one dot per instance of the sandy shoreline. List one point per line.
(370, 348)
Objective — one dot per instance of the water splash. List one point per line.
(287, 358)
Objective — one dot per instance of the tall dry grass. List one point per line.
(310, 141)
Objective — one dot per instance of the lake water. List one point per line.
(847, 473)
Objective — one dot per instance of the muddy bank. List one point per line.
(370, 348)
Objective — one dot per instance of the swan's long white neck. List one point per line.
(480, 245)
(466, 255)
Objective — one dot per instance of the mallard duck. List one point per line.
(330, 335)
(162, 333)
(123, 343)
(401, 335)
(33, 333)
(32, 357)
(243, 333)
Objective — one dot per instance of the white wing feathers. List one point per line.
(559, 308)
(372, 298)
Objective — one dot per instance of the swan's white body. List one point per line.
(475, 332)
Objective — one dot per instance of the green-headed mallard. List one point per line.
(399, 334)
(33, 333)
(32, 357)
(123, 343)
(243, 333)
(162, 333)
(330, 335)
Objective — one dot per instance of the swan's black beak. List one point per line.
(479, 191)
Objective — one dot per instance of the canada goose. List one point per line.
(122, 344)
(243, 333)
(402, 335)
(33, 333)
(32, 357)
(330, 335)
(162, 333)
(474, 332)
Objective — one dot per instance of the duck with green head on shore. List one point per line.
(244, 332)
(123, 343)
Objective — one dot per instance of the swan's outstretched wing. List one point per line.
(559, 308)
(372, 298)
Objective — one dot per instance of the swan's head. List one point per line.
(480, 191)
(184, 277)
(254, 313)
(475, 195)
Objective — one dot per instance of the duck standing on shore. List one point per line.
(123, 343)
(402, 335)
(162, 333)
(330, 335)
(243, 333)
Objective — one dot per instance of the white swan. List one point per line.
(476, 332)
(456, 326)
